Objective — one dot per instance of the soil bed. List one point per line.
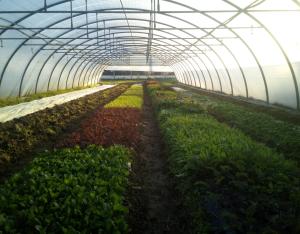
(153, 206)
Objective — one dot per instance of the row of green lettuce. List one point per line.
(68, 191)
(131, 98)
(281, 135)
(228, 182)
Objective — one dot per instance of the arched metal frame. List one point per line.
(81, 44)
(206, 56)
(183, 64)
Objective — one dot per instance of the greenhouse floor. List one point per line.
(154, 205)
(145, 158)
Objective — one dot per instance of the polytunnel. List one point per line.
(242, 48)
(150, 116)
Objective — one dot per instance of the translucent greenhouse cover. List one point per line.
(247, 48)
(11, 112)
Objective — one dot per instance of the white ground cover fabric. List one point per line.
(178, 89)
(10, 112)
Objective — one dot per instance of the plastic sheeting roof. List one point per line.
(248, 48)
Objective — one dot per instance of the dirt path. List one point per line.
(154, 205)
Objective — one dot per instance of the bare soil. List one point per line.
(152, 205)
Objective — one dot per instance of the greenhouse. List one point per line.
(150, 116)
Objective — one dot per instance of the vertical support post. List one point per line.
(71, 10)
(113, 44)
(97, 28)
(154, 9)
(45, 5)
(104, 30)
(109, 41)
(86, 19)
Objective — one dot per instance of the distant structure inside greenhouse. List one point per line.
(127, 75)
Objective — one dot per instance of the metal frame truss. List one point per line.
(84, 50)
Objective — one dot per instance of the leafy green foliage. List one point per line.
(132, 98)
(16, 100)
(20, 136)
(283, 136)
(168, 99)
(241, 185)
(68, 191)
(280, 135)
(230, 183)
(275, 110)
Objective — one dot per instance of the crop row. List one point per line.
(20, 136)
(280, 135)
(132, 98)
(283, 136)
(117, 123)
(68, 191)
(228, 182)
(277, 111)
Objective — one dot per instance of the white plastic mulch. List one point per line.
(178, 89)
(10, 112)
